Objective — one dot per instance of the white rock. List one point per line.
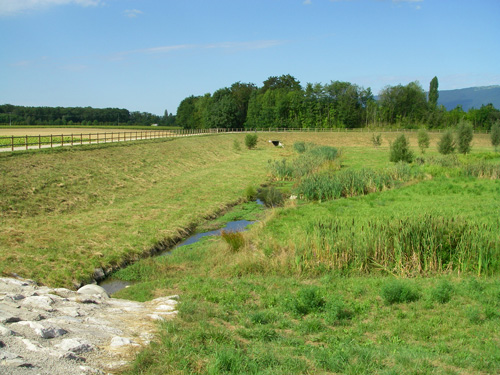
(117, 342)
(4, 331)
(34, 347)
(93, 289)
(165, 308)
(38, 302)
(76, 346)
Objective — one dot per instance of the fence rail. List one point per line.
(30, 142)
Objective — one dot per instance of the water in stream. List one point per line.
(113, 285)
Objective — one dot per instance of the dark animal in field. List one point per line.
(277, 143)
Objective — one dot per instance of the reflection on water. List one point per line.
(112, 285)
(233, 226)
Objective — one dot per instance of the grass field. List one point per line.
(286, 301)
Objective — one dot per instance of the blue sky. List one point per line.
(148, 55)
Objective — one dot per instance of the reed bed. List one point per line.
(348, 183)
(406, 246)
(311, 158)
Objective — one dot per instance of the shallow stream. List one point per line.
(112, 285)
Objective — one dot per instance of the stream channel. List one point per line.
(112, 285)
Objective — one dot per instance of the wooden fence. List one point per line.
(30, 142)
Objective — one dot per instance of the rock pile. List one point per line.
(58, 331)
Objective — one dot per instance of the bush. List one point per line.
(446, 144)
(236, 145)
(442, 292)
(464, 137)
(423, 140)
(250, 193)
(377, 139)
(271, 197)
(300, 147)
(400, 150)
(308, 300)
(235, 240)
(396, 291)
(495, 135)
(251, 140)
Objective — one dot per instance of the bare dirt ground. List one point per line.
(55, 131)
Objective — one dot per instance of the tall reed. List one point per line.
(350, 182)
(404, 246)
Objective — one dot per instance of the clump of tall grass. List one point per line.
(442, 292)
(308, 300)
(235, 240)
(397, 291)
(310, 160)
(271, 197)
(482, 170)
(468, 168)
(350, 182)
(406, 246)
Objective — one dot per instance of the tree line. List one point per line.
(20, 115)
(281, 102)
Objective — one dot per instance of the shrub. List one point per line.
(251, 140)
(423, 140)
(250, 193)
(495, 135)
(324, 153)
(236, 145)
(442, 292)
(446, 144)
(300, 147)
(400, 150)
(377, 139)
(307, 300)
(464, 137)
(271, 197)
(396, 291)
(235, 240)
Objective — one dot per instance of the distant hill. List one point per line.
(470, 97)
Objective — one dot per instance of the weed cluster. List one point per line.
(351, 182)
(235, 240)
(310, 160)
(397, 291)
(412, 245)
(251, 141)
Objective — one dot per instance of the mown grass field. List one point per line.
(285, 302)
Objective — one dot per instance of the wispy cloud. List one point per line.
(8, 7)
(132, 13)
(228, 46)
(307, 2)
(414, 3)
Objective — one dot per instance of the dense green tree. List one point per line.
(465, 134)
(495, 134)
(423, 139)
(185, 113)
(433, 93)
(446, 144)
(484, 117)
(400, 150)
(285, 82)
(403, 104)
(222, 111)
(241, 93)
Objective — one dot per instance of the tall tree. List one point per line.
(285, 81)
(433, 93)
